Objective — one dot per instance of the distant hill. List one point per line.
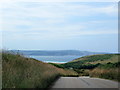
(56, 52)
(100, 65)
(92, 61)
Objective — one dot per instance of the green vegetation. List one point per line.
(92, 61)
(57, 65)
(107, 71)
(21, 72)
(93, 58)
(101, 65)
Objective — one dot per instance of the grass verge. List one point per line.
(21, 72)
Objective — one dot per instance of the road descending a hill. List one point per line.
(84, 82)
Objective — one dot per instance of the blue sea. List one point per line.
(55, 59)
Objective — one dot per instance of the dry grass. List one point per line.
(21, 72)
(112, 74)
(86, 57)
(113, 59)
(97, 57)
(107, 68)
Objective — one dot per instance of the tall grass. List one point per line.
(111, 74)
(21, 72)
(107, 71)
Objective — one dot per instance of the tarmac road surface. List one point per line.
(84, 82)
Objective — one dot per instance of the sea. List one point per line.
(55, 59)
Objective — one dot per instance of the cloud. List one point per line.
(52, 20)
(55, 10)
(56, 35)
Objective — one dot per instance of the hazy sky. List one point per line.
(88, 26)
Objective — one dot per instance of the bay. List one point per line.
(55, 59)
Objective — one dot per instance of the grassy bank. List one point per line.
(21, 72)
(102, 66)
(107, 66)
(107, 71)
(92, 61)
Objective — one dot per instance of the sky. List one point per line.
(85, 26)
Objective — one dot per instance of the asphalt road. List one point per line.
(84, 82)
